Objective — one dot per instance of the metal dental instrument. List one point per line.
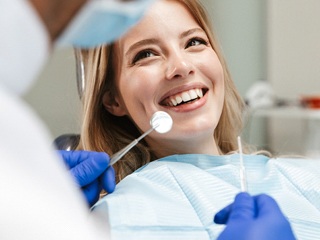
(243, 179)
(160, 121)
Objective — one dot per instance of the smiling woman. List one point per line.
(172, 56)
(171, 184)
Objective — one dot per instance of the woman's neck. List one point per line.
(196, 146)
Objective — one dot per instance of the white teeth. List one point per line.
(178, 99)
(199, 93)
(174, 102)
(185, 97)
(193, 94)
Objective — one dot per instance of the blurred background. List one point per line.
(273, 52)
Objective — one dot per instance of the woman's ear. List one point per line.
(113, 105)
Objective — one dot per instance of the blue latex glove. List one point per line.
(251, 218)
(91, 172)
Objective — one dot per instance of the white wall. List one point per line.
(293, 65)
(241, 29)
(294, 47)
(240, 26)
(54, 96)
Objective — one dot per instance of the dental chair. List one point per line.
(69, 142)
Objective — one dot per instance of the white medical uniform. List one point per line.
(37, 198)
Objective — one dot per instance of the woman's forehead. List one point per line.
(164, 19)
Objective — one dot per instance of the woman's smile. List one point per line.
(185, 98)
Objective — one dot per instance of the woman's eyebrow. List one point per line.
(191, 31)
(141, 43)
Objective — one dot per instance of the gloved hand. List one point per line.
(251, 218)
(90, 171)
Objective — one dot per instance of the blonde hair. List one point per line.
(101, 131)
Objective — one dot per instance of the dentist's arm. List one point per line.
(253, 217)
(91, 172)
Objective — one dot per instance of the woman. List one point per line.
(171, 62)
(101, 127)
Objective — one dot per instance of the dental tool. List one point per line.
(243, 179)
(160, 121)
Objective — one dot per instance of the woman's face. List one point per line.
(167, 64)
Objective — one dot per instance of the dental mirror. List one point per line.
(160, 121)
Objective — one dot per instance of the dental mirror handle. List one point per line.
(118, 155)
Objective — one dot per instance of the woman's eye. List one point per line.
(141, 55)
(196, 42)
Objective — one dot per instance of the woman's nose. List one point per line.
(178, 66)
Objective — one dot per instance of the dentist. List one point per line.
(38, 197)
